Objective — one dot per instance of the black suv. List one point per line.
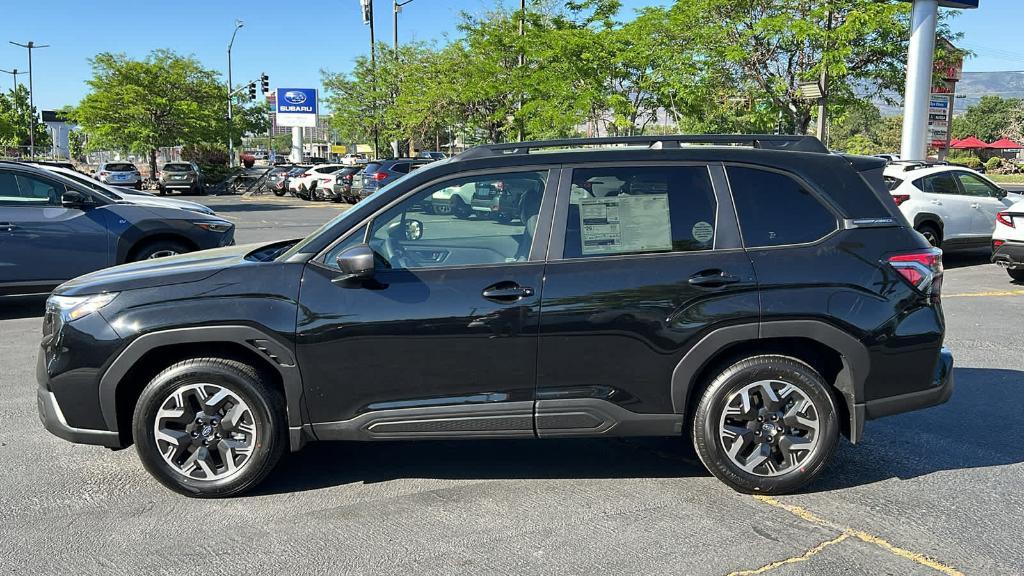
(380, 173)
(758, 295)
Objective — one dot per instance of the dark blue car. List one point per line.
(53, 229)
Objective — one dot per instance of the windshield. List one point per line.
(120, 167)
(347, 214)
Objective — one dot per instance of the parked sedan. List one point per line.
(125, 195)
(119, 174)
(183, 176)
(56, 229)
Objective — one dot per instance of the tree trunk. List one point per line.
(152, 163)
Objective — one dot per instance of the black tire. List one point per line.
(931, 233)
(708, 416)
(158, 249)
(162, 190)
(460, 209)
(280, 192)
(266, 405)
(1017, 275)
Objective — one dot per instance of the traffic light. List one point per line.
(265, 83)
(252, 90)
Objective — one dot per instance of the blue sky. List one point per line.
(292, 46)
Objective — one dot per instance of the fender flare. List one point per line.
(856, 361)
(277, 353)
(921, 217)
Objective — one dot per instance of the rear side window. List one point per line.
(400, 167)
(371, 168)
(775, 210)
(639, 210)
(938, 184)
(892, 182)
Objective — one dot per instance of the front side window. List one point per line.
(21, 190)
(639, 210)
(776, 210)
(486, 219)
(975, 186)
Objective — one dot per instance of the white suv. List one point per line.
(1008, 241)
(951, 206)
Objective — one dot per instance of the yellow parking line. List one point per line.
(801, 558)
(860, 535)
(985, 294)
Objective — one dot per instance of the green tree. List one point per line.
(15, 120)
(143, 105)
(990, 119)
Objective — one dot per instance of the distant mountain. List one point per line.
(975, 85)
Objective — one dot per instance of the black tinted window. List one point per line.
(177, 167)
(892, 183)
(938, 184)
(122, 167)
(640, 210)
(775, 209)
(371, 168)
(400, 167)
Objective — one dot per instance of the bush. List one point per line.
(248, 160)
(969, 161)
(993, 163)
(211, 158)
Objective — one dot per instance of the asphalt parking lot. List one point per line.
(936, 491)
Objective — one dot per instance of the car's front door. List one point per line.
(443, 340)
(943, 192)
(43, 242)
(643, 260)
(987, 200)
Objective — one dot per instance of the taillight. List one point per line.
(104, 173)
(1005, 219)
(923, 270)
(900, 198)
(378, 176)
(997, 243)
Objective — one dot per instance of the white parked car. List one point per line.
(951, 206)
(301, 185)
(119, 174)
(353, 159)
(1008, 240)
(118, 194)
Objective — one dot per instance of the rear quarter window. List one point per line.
(775, 209)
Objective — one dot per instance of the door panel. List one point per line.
(644, 261)
(944, 194)
(445, 332)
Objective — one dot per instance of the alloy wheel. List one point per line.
(205, 431)
(769, 428)
(162, 254)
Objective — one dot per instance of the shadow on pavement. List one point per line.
(967, 258)
(957, 435)
(16, 307)
(326, 464)
(973, 430)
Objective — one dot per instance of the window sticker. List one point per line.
(623, 224)
(702, 232)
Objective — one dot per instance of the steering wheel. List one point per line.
(396, 253)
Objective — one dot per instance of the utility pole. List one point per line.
(231, 136)
(367, 6)
(823, 101)
(397, 7)
(31, 102)
(522, 62)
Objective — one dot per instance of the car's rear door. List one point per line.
(41, 241)
(644, 259)
(443, 340)
(942, 191)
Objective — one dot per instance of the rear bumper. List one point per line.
(938, 393)
(1009, 255)
(53, 420)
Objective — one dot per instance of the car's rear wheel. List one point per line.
(210, 427)
(1017, 274)
(158, 249)
(931, 234)
(766, 424)
(460, 209)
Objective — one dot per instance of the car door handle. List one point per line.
(712, 279)
(507, 292)
(937, 202)
(8, 226)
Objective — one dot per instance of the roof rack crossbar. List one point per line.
(764, 141)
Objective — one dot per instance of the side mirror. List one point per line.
(74, 199)
(355, 263)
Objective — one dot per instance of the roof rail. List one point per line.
(764, 141)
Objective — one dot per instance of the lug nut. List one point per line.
(760, 418)
(195, 434)
(213, 422)
(757, 433)
(217, 435)
(774, 417)
(206, 442)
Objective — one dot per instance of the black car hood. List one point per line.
(179, 269)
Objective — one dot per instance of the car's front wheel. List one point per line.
(210, 427)
(766, 424)
(931, 234)
(158, 249)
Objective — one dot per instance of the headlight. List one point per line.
(74, 307)
(215, 225)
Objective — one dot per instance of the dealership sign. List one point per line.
(296, 107)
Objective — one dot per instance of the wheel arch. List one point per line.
(929, 218)
(127, 249)
(841, 360)
(123, 381)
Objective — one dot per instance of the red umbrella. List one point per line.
(970, 143)
(954, 142)
(1005, 144)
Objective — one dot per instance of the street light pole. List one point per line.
(31, 102)
(397, 7)
(14, 73)
(231, 137)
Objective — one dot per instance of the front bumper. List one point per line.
(1009, 255)
(53, 420)
(938, 393)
